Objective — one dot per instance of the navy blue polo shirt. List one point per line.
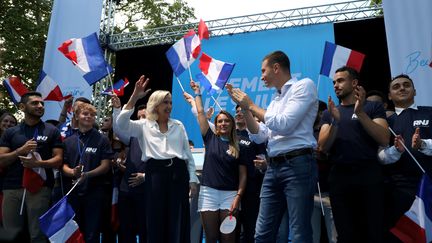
(248, 152)
(405, 124)
(92, 147)
(47, 137)
(133, 164)
(353, 145)
(220, 170)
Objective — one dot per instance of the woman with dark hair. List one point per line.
(224, 174)
(7, 120)
(170, 168)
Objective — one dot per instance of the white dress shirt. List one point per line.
(289, 118)
(155, 144)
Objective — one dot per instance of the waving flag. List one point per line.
(33, 179)
(214, 74)
(183, 53)
(336, 56)
(203, 31)
(86, 54)
(118, 88)
(416, 224)
(58, 224)
(49, 88)
(15, 88)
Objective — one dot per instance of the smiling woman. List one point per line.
(170, 167)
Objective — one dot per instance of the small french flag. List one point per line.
(416, 224)
(118, 88)
(215, 73)
(49, 88)
(15, 88)
(58, 224)
(184, 52)
(336, 56)
(86, 54)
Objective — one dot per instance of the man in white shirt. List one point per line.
(287, 128)
(412, 124)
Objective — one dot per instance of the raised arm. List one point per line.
(202, 119)
(138, 93)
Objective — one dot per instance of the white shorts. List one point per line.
(211, 199)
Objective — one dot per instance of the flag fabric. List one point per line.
(203, 31)
(416, 224)
(336, 56)
(115, 221)
(119, 87)
(58, 224)
(15, 88)
(49, 89)
(214, 73)
(86, 54)
(183, 53)
(33, 179)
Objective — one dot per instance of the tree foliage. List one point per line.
(133, 15)
(23, 32)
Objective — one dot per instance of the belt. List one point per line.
(289, 155)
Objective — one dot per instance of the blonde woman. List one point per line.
(224, 174)
(170, 168)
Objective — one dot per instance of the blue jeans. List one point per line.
(288, 185)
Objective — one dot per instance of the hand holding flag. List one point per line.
(118, 89)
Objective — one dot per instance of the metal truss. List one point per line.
(346, 11)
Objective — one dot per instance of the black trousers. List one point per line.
(356, 195)
(248, 214)
(167, 201)
(132, 217)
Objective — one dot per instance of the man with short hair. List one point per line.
(412, 123)
(351, 133)
(290, 179)
(141, 111)
(20, 147)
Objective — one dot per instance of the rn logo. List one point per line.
(41, 138)
(421, 123)
(91, 150)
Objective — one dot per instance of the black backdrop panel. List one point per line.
(151, 62)
(368, 37)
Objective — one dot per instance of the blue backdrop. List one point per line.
(303, 45)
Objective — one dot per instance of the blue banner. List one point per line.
(303, 45)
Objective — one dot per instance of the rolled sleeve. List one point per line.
(261, 136)
(389, 155)
(428, 149)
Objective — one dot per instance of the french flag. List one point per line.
(119, 87)
(214, 73)
(415, 225)
(15, 88)
(33, 179)
(86, 54)
(49, 88)
(184, 52)
(336, 56)
(58, 224)
(203, 31)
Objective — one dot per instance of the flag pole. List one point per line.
(318, 83)
(22, 201)
(409, 152)
(217, 103)
(321, 202)
(109, 79)
(190, 74)
(181, 86)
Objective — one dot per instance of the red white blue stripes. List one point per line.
(336, 56)
(215, 73)
(183, 53)
(15, 88)
(416, 225)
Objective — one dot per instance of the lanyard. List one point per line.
(81, 152)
